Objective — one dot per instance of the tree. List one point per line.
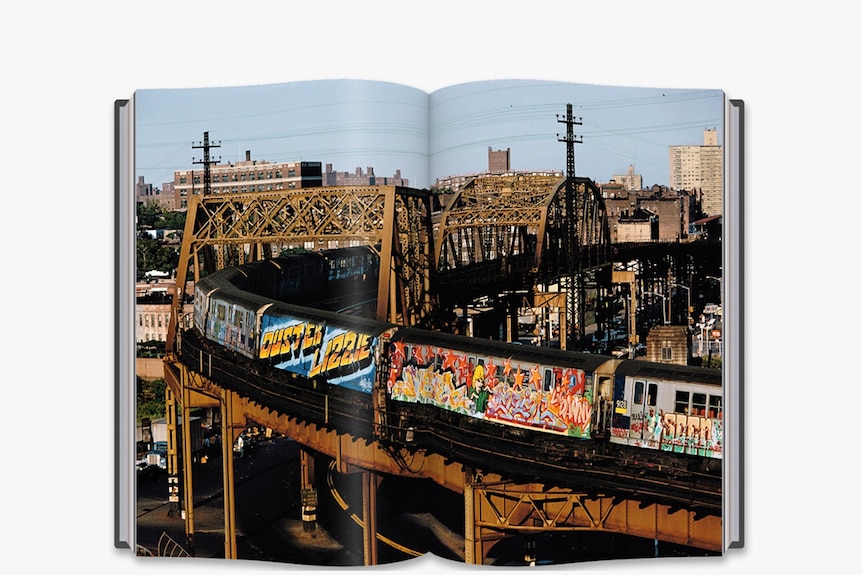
(173, 220)
(150, 399)
(149, 214)
(151, 255)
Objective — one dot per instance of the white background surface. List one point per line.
(63, 65)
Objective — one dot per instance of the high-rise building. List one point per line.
(700, 169)
(498, 161)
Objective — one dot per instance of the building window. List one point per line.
(666, 353)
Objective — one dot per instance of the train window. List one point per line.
(638, 397)
(652, 392)
(698, 404)
(546, 384)
(681, 405)
(715, 406)
(220, 312)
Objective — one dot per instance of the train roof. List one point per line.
(491, 348)
(230, 285)
(666, 371)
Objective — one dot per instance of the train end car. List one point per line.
(226, 314)
(667, 408)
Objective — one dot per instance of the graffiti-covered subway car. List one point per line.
(668, 408)
(537, 388)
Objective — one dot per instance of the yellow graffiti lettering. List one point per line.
(265, 344)
(333, 349)
(313, 337)
(316, 365)
(363, 347)
(349, 349)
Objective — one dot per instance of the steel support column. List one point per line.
(188, 486)
(369, 518)
(227, 415)
(307, 490)
(171, 455)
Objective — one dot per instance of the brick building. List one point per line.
(499, 161)
(153, 309)
(246, 176)
(658, 214)
(668, 344)
(360, 178)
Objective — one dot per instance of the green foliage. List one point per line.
(152, 215)
(150, 399)
(149, 214)
(173, 221)
(713, 362)
(296, 250)
(150, 349)
(151, 255)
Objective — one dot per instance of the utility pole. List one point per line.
(206, 161)
(573, 279)
(218, 263)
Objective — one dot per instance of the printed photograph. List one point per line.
(485, 323)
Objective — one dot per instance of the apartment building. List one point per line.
(700, 168)
(246, 176)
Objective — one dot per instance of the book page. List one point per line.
(546, 393)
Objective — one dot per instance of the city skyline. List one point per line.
(357, 123)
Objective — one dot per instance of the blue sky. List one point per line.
(357, 123)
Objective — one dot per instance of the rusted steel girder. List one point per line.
(496, 510)
(514, 231)
(225, 230)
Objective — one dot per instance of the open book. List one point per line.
(500, 323)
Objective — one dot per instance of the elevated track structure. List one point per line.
(498, 237)
(228, 230)
(504, 236)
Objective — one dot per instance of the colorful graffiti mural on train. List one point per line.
(677, 432)
(309, 349)
(492, 388)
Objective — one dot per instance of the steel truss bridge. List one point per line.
(500, 237)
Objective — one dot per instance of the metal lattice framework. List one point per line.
(498, 510)
(231, 229)
(512, 232)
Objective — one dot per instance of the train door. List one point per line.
(644, 416)
(603, 401)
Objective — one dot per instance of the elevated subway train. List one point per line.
(476, 397)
